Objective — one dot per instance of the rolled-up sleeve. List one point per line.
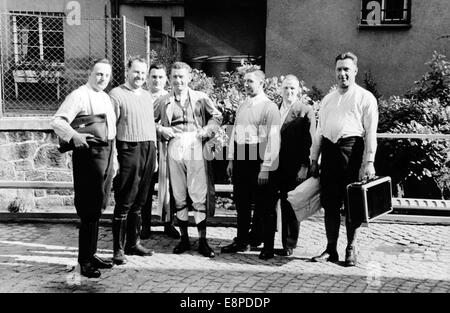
(370, 123)
(66, 113)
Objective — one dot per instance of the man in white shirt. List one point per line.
(92, 164)
(157, 82)
(346, 138)
(253, 153)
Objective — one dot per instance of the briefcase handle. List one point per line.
(367, 180)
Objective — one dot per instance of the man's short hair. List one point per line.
(260, 74)
(158, 66)
(347, 55)
(181, 65)
(99, 60)
(291, 77)
(135, 58)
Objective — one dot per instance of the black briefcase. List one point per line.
(368, 200)
(95, 124)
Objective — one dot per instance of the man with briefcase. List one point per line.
(346, 140)
(92, 157)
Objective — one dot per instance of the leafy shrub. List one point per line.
(231, 92)
(370, 84)
(424, 110)
(435, 83)
(201, 82)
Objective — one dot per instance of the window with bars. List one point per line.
(387, 13)
(38, 39)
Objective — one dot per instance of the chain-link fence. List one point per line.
(45, 57)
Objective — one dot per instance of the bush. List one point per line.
(369, 84)
(435, 83)
(419, 168)
(231, 92)
(418, 164)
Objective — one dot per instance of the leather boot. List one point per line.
(332, 223)
(97, 261)
(89, 271)
(171, 231)
(350, 256)
(204, 249)
(146, 232)
(146, 222)
(183, 246)
(133, 245)
(86, 237)
(119, 231)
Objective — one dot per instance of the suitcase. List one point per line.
(368, 200)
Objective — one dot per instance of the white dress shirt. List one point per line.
(83, 101)
(284, 110)
(353, 113)
(258, 121)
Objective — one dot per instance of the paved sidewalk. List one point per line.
(393, 258)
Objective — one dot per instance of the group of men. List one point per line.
(271, 150)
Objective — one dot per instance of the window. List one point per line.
(155, 23)
(388, 13)
(38, 38)
(178, 27)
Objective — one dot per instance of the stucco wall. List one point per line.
(303, 38)
(89, 8)
(137, 14)
(225, 27)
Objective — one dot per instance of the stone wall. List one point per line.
(33, 156)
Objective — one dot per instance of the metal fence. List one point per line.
(45, 57)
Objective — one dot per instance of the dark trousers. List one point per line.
(147, 208)
(290, 226)
(92, 178)
(246, 190)
(340, 166)
(132, 183)
(131, 188)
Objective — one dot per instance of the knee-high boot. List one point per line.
(350, 252)
(119, 231)
(86, 237)
(332, 225)
(184, 244)
(84, 243)
(203, 247)
(133, 243)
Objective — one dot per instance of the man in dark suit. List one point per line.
(297, 128)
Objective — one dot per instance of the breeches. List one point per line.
(132, 183)
(187, 174)
(340, 166)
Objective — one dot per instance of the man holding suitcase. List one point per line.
(346, 139)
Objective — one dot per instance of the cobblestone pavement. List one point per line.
(393, 258)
